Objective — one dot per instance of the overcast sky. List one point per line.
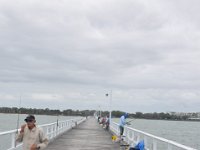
(67, 54)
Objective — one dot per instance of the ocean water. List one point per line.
(10, 121)
(183, 132)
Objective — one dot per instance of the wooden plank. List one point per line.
(86, 136)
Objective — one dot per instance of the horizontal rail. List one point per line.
(52, 130)
(152, 142)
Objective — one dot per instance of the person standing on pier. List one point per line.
(33, 137)
(122, 122)
(107, 122)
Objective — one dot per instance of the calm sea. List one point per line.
(183, 132)
(187, 133)
(9, 121)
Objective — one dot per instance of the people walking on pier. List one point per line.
(33, 137)
(106, 122)
(122, 122)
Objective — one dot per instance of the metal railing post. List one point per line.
(13, 140)
(154, 144)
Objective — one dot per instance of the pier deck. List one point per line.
(87, 136)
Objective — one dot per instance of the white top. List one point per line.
(34, 136)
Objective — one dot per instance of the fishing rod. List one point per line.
(57, 122)
(57, 114)
(18, 119)
(131, 120)
(128, 122)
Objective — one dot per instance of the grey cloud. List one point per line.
(146, 52)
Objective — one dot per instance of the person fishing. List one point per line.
(32, 136)
(122, 122)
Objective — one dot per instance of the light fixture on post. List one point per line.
(110, 108)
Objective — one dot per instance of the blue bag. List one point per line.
(139, 146)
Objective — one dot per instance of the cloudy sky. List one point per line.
(66, 54)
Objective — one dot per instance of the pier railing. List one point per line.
(133, 136)
(52, 130)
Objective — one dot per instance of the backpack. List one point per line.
(139, 146)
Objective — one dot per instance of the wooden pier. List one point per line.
(89, 135)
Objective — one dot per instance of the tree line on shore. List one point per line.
(70, 112)
(155, 115)
(46, 111)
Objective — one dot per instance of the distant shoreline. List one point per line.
(171, 120)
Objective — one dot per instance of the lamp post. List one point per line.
(99, 111)
(110, 104)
